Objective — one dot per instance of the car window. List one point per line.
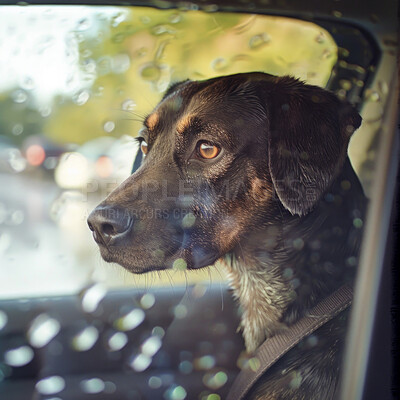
(75, 85)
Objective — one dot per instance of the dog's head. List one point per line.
(220, 158)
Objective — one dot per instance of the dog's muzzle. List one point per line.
(110, 225)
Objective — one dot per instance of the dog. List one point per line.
(250, 169)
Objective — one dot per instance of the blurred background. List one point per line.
(75, 84)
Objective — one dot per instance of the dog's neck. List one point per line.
(286, 266)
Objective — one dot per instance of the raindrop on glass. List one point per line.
(258, 41)
(83, 24)
(215, 380)
(17, 129)
(117, 341)
(3, 318)
(130, 320)
(19, 96)
(175, 393)
(219, 64)
(94, 385)
(85, 339)
(155, 382)
(51, 385)
(109, 126)
(42, 330)
(147, 301)
(81, 97)
(175, 18)
(141, 362)
(18, 357)
(91, 297)
(372, 95)
(5, 242)
(17, 217)
(151, 346)
(28, 83)
(128, 105)
(150, 72)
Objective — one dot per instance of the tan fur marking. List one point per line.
(152, 120)
(183, 123)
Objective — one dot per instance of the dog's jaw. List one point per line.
(262, 295)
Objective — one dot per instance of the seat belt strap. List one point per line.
(273, 348)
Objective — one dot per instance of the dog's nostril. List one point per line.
(108, 229)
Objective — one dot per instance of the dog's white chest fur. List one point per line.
(262, 295)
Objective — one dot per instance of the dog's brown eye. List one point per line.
(144, 147)
(208, 150)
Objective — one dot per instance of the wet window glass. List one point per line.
(75, 86)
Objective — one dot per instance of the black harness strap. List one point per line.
(275, 347)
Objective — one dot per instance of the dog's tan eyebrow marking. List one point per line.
(151, 121)
(184, 123)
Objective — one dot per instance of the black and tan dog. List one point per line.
(251, 169)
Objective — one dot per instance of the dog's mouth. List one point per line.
(140, 248)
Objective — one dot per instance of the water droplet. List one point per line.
(28, 83)
(180, 311)
(17, 129)
(179, 264)
(117, 341)
(151, 346)
(296, 380)
(258, 41)
(175, 393)
(81, 97)
(219, 64)
(130, 321)
(188, 220)
(372, 95)
(128, 105)
(92, 296)
(83, 24)
(215, 380)
(42, 330)
(158, 331)
(155, 382)
(345, 84)
(320, 38)
(326, 54)
(175, 18)
(5, 242)
(150, 72)
(141, 362)
(94, 385)
(17, 217)
(312, 340)
(19, 356)
(3, 318)
(51, 385)
(117, 19)
(147, 301)
(298, 243)
(186, 367)
(121, 63)
(16, 161)
(85, 339)
(109, 126)
(19, 96)
(205, 362)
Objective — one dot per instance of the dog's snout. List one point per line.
(109, 224)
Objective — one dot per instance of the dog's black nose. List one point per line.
(109, 224)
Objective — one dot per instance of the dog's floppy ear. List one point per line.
(309, 131)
